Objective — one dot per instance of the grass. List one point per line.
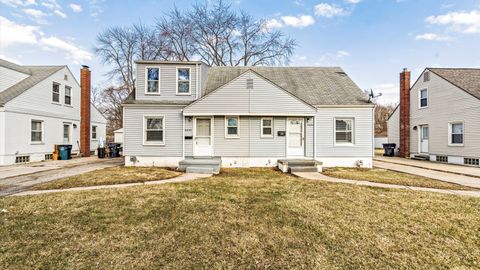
(390, 177)
(256, 218)
(110, 176)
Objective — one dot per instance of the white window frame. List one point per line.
(59, 93)
(145, 142)
(450, 129)
(335, 131)
(65, 95)
(189, 81)
(230, 136)
(146, 81)
(41, 130)
(69, 131)
(96, 133)
(420, 98)
(262, 126)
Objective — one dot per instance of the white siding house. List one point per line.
(38, 109)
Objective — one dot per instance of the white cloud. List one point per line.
(13, 33)
(273, 23)
(74, 53)
(431, 37)
(75, 7)
(353, 1)
(16, 3)
(390, 93)
(51, 4)
(60, 13)
(300, 21)
(329, 11)
(466, 22)
(36, 13)
(342, 53)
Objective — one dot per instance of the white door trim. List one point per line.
(420, 148)
(212, 120)
(302, 138)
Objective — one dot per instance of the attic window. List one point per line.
(249, 83)
(426, 76)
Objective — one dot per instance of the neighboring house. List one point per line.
(118, 135)
(379, 141)
(247, 116)
(41, 106)
(439, 116)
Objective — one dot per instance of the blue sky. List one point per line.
(371, 39)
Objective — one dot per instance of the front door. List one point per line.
(203, 137)
(295, 137)
(424, 134)
(66, 133)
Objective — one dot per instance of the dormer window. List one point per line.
(183, 81)
(153, 82)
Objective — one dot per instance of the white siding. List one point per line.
(393, 128)
(10, 77)
(446, 103)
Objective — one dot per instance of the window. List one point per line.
(22, 159)
(267, 127)
(66, 133)
(94, 132)
(68, 95)
(471, 161)
(426, 76)
(56, 92)
(154, 127)
(48, 156)
(423, 98)
(442, 159)
(343, 131)
(37, 130)
(183, 81)
(153, 81)
(456, 134)
(231, 127)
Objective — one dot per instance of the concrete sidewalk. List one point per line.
(442, 167)
(182, 178)
(321, 177)
(463, 180)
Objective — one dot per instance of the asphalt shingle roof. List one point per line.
(36, 75)
(132, 100)
(467, 79)
(313, 85)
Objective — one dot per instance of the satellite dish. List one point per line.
(372, 95)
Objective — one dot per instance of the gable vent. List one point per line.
(249, 83)
(426, 76)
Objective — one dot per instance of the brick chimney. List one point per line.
(405, 113)
(85, 111)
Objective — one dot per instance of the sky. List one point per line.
(372, 40)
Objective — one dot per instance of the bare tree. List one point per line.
(382, 113)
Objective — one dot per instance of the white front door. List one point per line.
(424, 134)
(202, 145)
(295, 137)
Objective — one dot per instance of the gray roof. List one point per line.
(132, 100)
(36, 75)
(467, 79)
(313, 85)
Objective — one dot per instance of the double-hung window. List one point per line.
(36, 131)
(456, 131)
(68, 95)
(232, 127)
(153, 81)
(183, 81)
(56, 92)
(94, 132)
(267, 127)
(154, 130)
(343, 131)
(423, 98)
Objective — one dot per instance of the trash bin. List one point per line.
(101, 152)
(64, 151)
(114, 150)
(389, 149)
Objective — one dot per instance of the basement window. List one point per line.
(48, 156)
(443, 159)
(22, 159)
(471, 161)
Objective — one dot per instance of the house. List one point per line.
(438, 118)
(245, 116)
(118, 135)
(41, 106)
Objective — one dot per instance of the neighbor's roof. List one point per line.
(313, 85)
(467, 79)
(36, 75)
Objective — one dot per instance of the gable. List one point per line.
(263, 98)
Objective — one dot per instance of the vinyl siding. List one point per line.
(133, 132)
(267, 147)
(393, 128)
(235, 98)
(446, 103)
(363, 129)
(167, 82)
(10, 77)
(231, 147)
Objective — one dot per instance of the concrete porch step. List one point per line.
(303, 169)
(200, 165)
(201, 170)
(421, 157)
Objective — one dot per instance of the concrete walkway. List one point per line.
(182, 178)
(436, 166)
(463, 180)
(11, 185)
(321, 177)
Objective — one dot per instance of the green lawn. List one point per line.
(390, 177)
(256, 218)
(110, 176)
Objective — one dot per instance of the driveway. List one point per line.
(19, 178)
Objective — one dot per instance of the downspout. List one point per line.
(196, 82)
(183, 135)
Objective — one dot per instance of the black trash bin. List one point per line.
(389, 149)
(65, 151)
(101, 152)
(114, 150)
